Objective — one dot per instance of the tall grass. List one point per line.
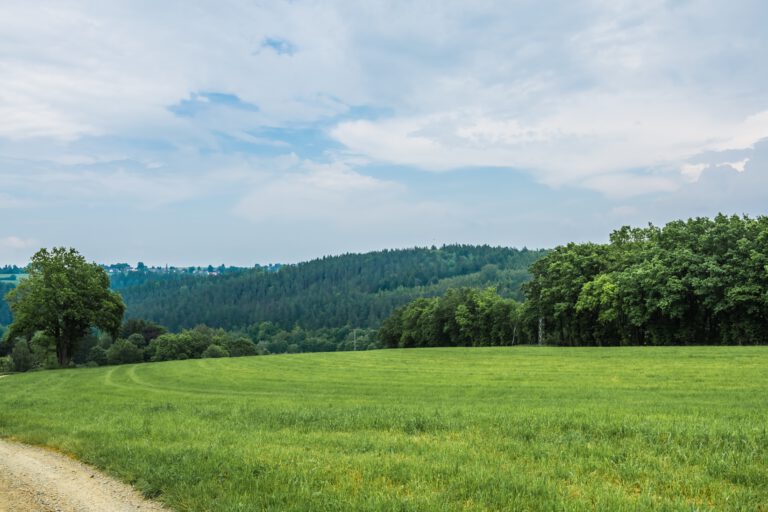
(524, 428)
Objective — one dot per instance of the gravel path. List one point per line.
(37, 480)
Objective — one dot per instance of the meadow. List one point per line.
(13, 279)
(518, 428)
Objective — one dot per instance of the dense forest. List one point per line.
(701, 281)
(359, 290)
(124, 276)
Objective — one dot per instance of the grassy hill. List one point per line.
(522, 428)
(352, 289)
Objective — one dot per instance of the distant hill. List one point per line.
(352, 289)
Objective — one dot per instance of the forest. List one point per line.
(359, 290)
(700, 281)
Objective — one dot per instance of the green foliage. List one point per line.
(22, 358)
(123, 352)
(701, 281)
(43, 349)
(169, 347)
(148, 330)
(239, 346)
(440, 429)
(214, 351)
(97, 355)
(462, 317)
(64, 296)
(5, 312)
(359, 290)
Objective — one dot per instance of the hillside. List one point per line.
(352, 289)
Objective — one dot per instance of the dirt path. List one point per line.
(38, 480)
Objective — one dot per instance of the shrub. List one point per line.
(240, 346)
(169, 347)
(97, 355)
(22, 357)
(215, 351)
(124, 352)
(43, 349)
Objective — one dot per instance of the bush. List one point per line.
(261, 348)
(240, 346)
(170, 347)
(277, 346)
(43, 349)
(97, 355)
(6, 365)
(215, 351)
(21, 356)
(137, 339)
(124, 352)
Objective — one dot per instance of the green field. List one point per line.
(12, 278)
(522, 428)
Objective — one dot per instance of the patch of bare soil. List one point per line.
(38, 480)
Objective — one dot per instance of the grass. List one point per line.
(12, 278)
(523, 428)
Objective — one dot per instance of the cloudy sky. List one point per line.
(242, 132)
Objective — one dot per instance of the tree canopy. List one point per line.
(700, 281)
(64, 296)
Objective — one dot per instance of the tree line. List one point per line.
(352, 289)
(65, 314)
(700, 281)
(144, 341)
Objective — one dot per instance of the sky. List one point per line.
(244, 132)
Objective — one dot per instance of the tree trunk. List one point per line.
(62, 352)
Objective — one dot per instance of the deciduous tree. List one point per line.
(64, 296)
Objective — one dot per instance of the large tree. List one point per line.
(65, 297)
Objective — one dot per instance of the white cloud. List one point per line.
(587, 137)
(73, 69)
(600, 88)
(692, 172)
(738, 166)
(14, 242)
(629, 185)
(330, 192)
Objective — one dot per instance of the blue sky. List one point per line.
(245, 132)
